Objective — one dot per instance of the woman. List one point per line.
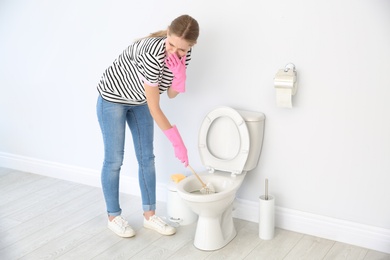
(130, 93)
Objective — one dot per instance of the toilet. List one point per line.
(229, 145)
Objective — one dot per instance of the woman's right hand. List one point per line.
(178, 144)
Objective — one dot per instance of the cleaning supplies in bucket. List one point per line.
(177, 177)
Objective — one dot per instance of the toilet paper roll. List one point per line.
(267, 217)
(285, 85)
(284, 97)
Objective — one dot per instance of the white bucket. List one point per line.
(178, 211)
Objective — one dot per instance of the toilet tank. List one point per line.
(255, 124)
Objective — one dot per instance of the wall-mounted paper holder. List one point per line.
(285, 83)
(287, 78)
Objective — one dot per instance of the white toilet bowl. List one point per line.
(215, 226)
(229, 144)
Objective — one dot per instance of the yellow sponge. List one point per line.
(177, 177)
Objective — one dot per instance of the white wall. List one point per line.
(328, 156)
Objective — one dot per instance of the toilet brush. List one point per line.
(206, 189)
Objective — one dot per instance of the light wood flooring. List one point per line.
(47, 218)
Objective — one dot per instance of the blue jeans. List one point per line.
(112, 119)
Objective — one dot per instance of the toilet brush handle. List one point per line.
(197, 176)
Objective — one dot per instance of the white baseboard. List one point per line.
(348, 232)
(330, 228)
(71, 173)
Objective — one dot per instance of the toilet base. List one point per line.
(213, 233)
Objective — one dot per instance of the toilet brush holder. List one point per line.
(266, 217)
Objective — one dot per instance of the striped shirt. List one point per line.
(141, 62)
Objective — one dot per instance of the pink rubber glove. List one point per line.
(178, 68)
(180, 149)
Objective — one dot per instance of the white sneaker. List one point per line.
(157, 224)
(120, 227)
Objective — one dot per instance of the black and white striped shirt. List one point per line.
(141, 62)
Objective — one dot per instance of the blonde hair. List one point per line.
(183, 26)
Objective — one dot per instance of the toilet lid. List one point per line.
(224, 141)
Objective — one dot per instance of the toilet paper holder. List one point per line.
(287, 78)
(289, 66)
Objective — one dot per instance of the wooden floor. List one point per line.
(47, 218)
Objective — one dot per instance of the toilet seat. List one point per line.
(224, 141)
